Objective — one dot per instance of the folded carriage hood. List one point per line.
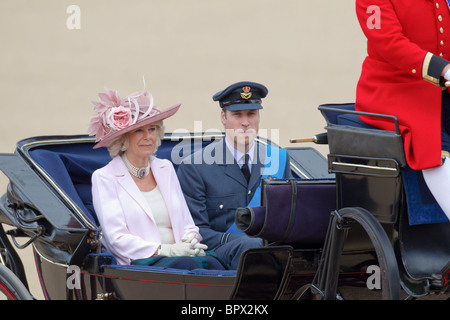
(35, 208)
(34, 192)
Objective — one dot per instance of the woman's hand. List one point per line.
(191, 238)
(193, 248)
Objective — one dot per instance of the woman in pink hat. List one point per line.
(137, 197)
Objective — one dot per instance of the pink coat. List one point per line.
(128, 226)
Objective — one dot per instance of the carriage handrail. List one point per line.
(323, 108)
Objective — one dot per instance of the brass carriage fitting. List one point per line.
(93, 239)
(106, 296)
(302, 140)
(320, 138)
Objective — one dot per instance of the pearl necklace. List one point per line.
(141, 173)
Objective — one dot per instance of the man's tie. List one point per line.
(245, 169)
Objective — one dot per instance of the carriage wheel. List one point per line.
(11, 288)
(325, 283)
(10, 258)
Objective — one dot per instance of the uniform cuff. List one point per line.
(432, 69)
(225, 238)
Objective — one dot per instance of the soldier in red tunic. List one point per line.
(404, 74)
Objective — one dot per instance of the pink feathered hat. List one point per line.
(116, 116)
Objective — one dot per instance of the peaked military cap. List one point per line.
(243, 95)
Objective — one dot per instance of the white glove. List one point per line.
(191, 238)
(177, 249)
(188, 237)
(447, 78)
(447, 75)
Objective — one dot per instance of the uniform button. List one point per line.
(249, 191)
(414, 71)
(441, 30)
(441, 55)
(437, 5)
(440, 18)
(221, 206)
(442, 43)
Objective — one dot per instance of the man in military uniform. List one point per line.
(230, 172)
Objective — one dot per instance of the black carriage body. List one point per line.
(368, 164)
(104, 280)
(48, 204)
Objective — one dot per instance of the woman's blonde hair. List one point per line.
(120, 144)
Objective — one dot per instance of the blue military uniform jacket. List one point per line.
(214, 190)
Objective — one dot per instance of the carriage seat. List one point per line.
(422, 207)
(71, 167)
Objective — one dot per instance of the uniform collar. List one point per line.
(238, 155)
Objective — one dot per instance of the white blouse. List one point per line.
(160, 214)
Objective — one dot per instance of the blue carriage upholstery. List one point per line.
(422, 207)
(197, 272)
(71, 167)
(345, 118)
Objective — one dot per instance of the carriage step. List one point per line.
(441, 279)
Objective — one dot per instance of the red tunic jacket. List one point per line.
(408, 45)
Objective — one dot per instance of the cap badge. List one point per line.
(246, 94)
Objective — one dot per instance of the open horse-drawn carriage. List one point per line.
(337, 229)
